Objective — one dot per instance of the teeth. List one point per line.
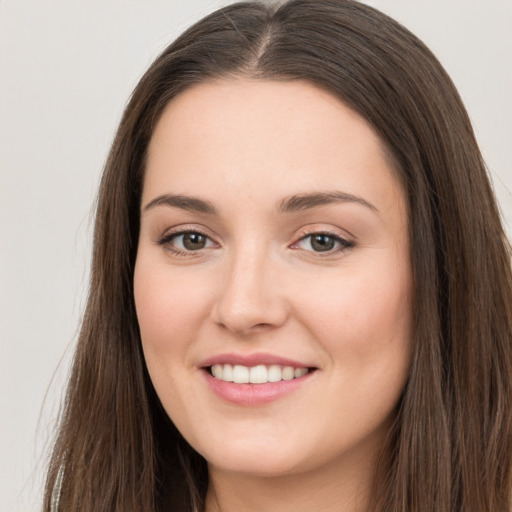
(288, 373)
(274, 373)
(299, 372)
(227, 373)
(217, 371)
(260, 374)
(240, 374)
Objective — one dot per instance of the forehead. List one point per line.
(261, 136)
(258, 112)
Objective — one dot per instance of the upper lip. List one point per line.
(252, 360)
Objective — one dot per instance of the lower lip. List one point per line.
(254, 394)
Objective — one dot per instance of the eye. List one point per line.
(323, 242)
(186, 242)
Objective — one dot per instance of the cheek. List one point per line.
(362, 316)
(170, 310)
(365, 327)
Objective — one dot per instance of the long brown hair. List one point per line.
(450, 449)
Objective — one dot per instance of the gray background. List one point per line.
(66, 70)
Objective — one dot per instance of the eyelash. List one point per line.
(166, 242)
(342, 243)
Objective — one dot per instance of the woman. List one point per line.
(301, 290)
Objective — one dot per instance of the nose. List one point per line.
(250, 298)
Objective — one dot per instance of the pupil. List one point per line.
(322, 243)
(194, 241)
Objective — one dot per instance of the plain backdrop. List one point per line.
(67, 68)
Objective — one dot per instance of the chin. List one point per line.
(260, 464)
(264, 457)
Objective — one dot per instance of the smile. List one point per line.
(255, 379)
(260, 374)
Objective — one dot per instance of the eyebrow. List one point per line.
(302, 202)
(295, 203)
(192, 204)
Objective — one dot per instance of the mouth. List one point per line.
(259, 374)
(255, 379)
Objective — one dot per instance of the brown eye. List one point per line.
(186, 242)
(194, 241)
(321, 243)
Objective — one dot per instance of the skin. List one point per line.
(259, 285)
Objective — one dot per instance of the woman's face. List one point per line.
(273, 248)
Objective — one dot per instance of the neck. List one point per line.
(341, 485)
